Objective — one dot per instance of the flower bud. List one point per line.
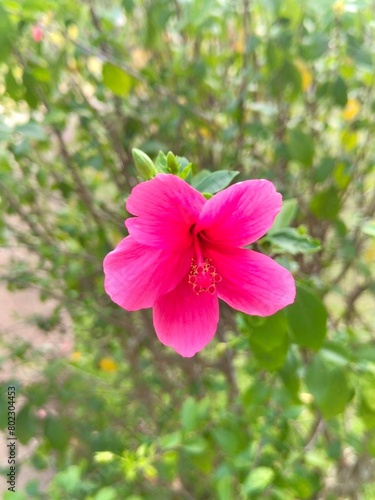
(143, 164)
(172, 164)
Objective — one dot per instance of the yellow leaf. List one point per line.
(352, 108)
(369, 253)
(306, 75)
(349, 140)
(115, 78)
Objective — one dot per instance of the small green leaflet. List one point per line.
(213, 182)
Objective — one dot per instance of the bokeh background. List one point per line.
(280, 408)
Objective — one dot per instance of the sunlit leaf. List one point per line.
(116, 80)
(258, 480)
(286, 216)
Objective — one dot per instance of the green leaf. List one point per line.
(116, 80)
(56, 433)
(289, 372)
(365, 352)
(25, 425)
(32, 130)
(329, 386)
(290, 240)
(342, 175)
(324, 169)
(287, 79)
(369, 228)
(224, 488)
(339, 92)
(172, 440)
(326, 204)
(367, 400)
(301, 147)
(335, 353)
(269, 332)
(106, 493)
(274, 55)
(13, 88)
(69, 479)
(258, 480)
(229, 440)
(314, 46)
(200, 176)
(286, 216)
(215, 181)
(41, 73)
(307, 318)
(6, 35)
(190, 414)
(269, 341)
(32, 96)
(161, 162)
(195, 446)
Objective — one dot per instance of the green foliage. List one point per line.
(213, 182)
(329, 386)
(116, 80)
(274, 408)
(301, 147)
(308, 319)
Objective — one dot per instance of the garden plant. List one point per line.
(243, 129)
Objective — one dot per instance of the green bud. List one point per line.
(143, 164)
(172, 163)
(186, 172)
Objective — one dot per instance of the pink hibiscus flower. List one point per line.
(184, 252)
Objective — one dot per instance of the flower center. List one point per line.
(203, 276)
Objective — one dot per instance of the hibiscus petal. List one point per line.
(137, 275)
(240, 214)
(166, 207)
(252, 282)
(186, 321)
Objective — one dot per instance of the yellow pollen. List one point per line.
(203, 276)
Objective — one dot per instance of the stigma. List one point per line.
(203, 276)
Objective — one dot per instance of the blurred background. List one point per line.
(277, 408)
